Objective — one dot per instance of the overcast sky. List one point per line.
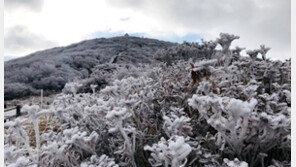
(31, 25)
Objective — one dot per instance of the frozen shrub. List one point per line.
(129, 145)
(253, 53)
(80, 139)
(20, 162)
(186, 51)
(102, 161)
(169, 152)
(263, 50)
(34, 114)
(86, 84)
(233, 128)
(225, 41)
(18, 90)
(50, 83)
(225, 56)
(204, 157)
(72, 87)
(18, 134)
(174, 125)
(235, 163)
(208, 48)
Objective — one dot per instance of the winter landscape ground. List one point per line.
(129, 101)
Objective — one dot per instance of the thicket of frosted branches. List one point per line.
(195, 106)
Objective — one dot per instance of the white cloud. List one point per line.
(35, 5)
(19, 40)
(256, 21)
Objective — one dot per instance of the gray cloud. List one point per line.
(255, 21)
(20, 38)
(125, 19)
(35, 5)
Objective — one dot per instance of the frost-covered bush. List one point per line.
(72, 87)
(223, 110)
(15, 132)
(243, 103)
(20, 162)
(263, 51)
(186, 51)
(171, 152)
(102, 161)
(225, 40)
(174, 125)
(235, 163)
(18, 90)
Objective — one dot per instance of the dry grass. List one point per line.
(46, 123)
(31, 100)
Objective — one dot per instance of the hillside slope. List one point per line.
(51, 69)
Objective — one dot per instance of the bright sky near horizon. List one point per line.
(32, 25)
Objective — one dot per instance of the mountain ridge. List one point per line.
(58, 65)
